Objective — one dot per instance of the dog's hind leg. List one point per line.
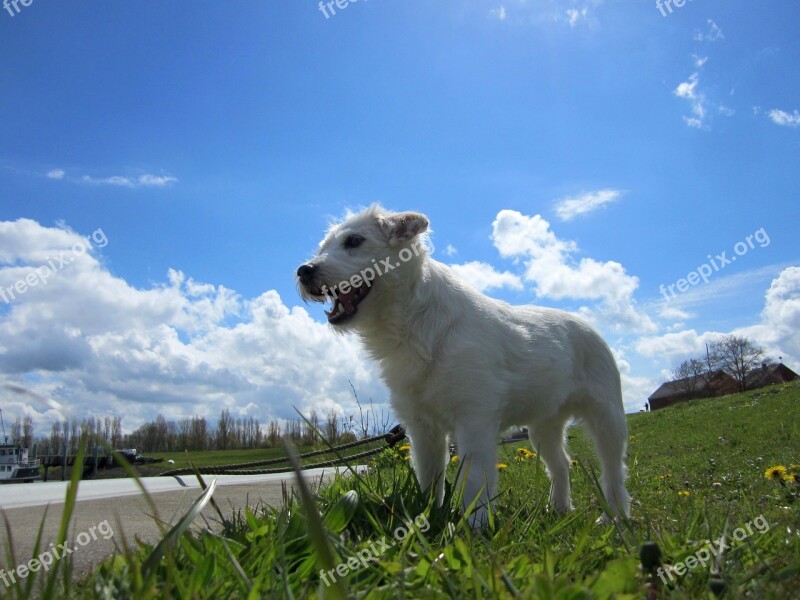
(429, 457)
(547, 438)
(607, 427)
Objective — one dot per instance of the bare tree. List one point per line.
(690, 376)
(74, 436)
(737, 356)
(116, 432)
(16, 431)
(332, 427)
(310, 428)
(273, 434)
(107, 430)
(363, 418)
(200, 434)
(56, 441)
(27, 432)
(225, 430)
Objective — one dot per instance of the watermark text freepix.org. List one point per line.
(374, 550)
(332, 5)
(369, 274)
(668, 4)
(44, 272)
(46, 559)
(719, 262)
(12, 6)
(711, 550)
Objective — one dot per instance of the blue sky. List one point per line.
(569, 153)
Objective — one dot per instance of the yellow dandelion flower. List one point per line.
(405, 448)
(454, 459)
(776, 472)
(683, 493)
(501, 466)
(407, 457)
(524, 454)
(792, 477)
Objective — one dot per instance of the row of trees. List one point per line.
(737, 356)
(69, 432)
(197, 433)
(230, 433)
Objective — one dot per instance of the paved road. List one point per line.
(114, 507)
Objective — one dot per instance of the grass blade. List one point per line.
(151, 564)
(316, 530)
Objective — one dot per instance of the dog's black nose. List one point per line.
(305, 272)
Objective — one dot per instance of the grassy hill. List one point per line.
(697, 476)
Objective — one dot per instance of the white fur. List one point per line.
(461, 364)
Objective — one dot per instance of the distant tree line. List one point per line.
(736, 356)
(196, 433)
(68, 433)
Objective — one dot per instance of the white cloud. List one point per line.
(98, 346)
(550, 266)
(777, 329)
(780, 319)
(681, 344)
(784, 119)
(713, 34)
(635, 389)
(574, 15)
(545, 13)
(56, 174)
(672, 312)
(144, 180)
(484, 276)
(701, 108)
(688, 91)
(499, 13)
(450, 250)
(569, 208)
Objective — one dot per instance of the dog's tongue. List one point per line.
(343, 305)
(347, 299)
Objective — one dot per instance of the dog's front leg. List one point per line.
(429, 458)
(477, 447)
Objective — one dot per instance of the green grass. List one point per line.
(696, 474)
(213, 458)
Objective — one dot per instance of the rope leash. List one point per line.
(396, 434)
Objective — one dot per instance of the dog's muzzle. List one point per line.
(344, 305)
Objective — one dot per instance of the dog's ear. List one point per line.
(401, 227)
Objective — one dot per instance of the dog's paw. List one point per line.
(604, 519)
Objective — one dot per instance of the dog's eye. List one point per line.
(353, 241)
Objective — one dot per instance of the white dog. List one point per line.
(462, 364)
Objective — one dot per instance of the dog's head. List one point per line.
(366, 252)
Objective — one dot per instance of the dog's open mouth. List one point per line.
(345, 306)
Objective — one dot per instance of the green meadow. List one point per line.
(715, 514)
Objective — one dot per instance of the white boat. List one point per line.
(15, 466)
